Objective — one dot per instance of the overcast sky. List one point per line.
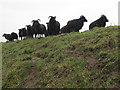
(15, 14)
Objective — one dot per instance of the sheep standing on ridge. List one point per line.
(53, 26)
(14, 35)
(39, 29)
(30, 31)
(43, 29)
(10, 37)
(74, 25)
(22, 32)
(101, 22)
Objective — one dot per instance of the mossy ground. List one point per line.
(72, 60)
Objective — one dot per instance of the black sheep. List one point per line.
(8, 37)
(22, 32)
(53, 26)
(76, 24)
(43, 29)
(14, 35)
(38, 28)
(101, 22)
(64, 29)
(30, 31)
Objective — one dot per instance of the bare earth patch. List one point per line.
(31, 77)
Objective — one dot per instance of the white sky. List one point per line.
(15, 14)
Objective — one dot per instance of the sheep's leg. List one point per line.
(21, 38)
(31, 36)
(35, 35)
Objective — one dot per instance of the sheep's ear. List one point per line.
(55, 16)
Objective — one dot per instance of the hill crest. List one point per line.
(72, 60)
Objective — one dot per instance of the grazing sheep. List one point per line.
(38, 28)
(8, 37)
(14, 35)
(101, 22)
(53, 26)
(22, 32)
(76, 24)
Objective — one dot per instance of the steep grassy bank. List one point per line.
(72, 60)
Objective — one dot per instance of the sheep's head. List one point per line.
(19, 30)
(104, 18)
(35, 22)
(22, 29)
(83, 18)
(4, 35)
(52, 18)
(28, 26)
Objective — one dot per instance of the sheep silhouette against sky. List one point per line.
(53, 27)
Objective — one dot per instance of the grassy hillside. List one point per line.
(72, 60)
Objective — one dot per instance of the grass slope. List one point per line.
(72, 60)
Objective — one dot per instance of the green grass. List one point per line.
(72, 60)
